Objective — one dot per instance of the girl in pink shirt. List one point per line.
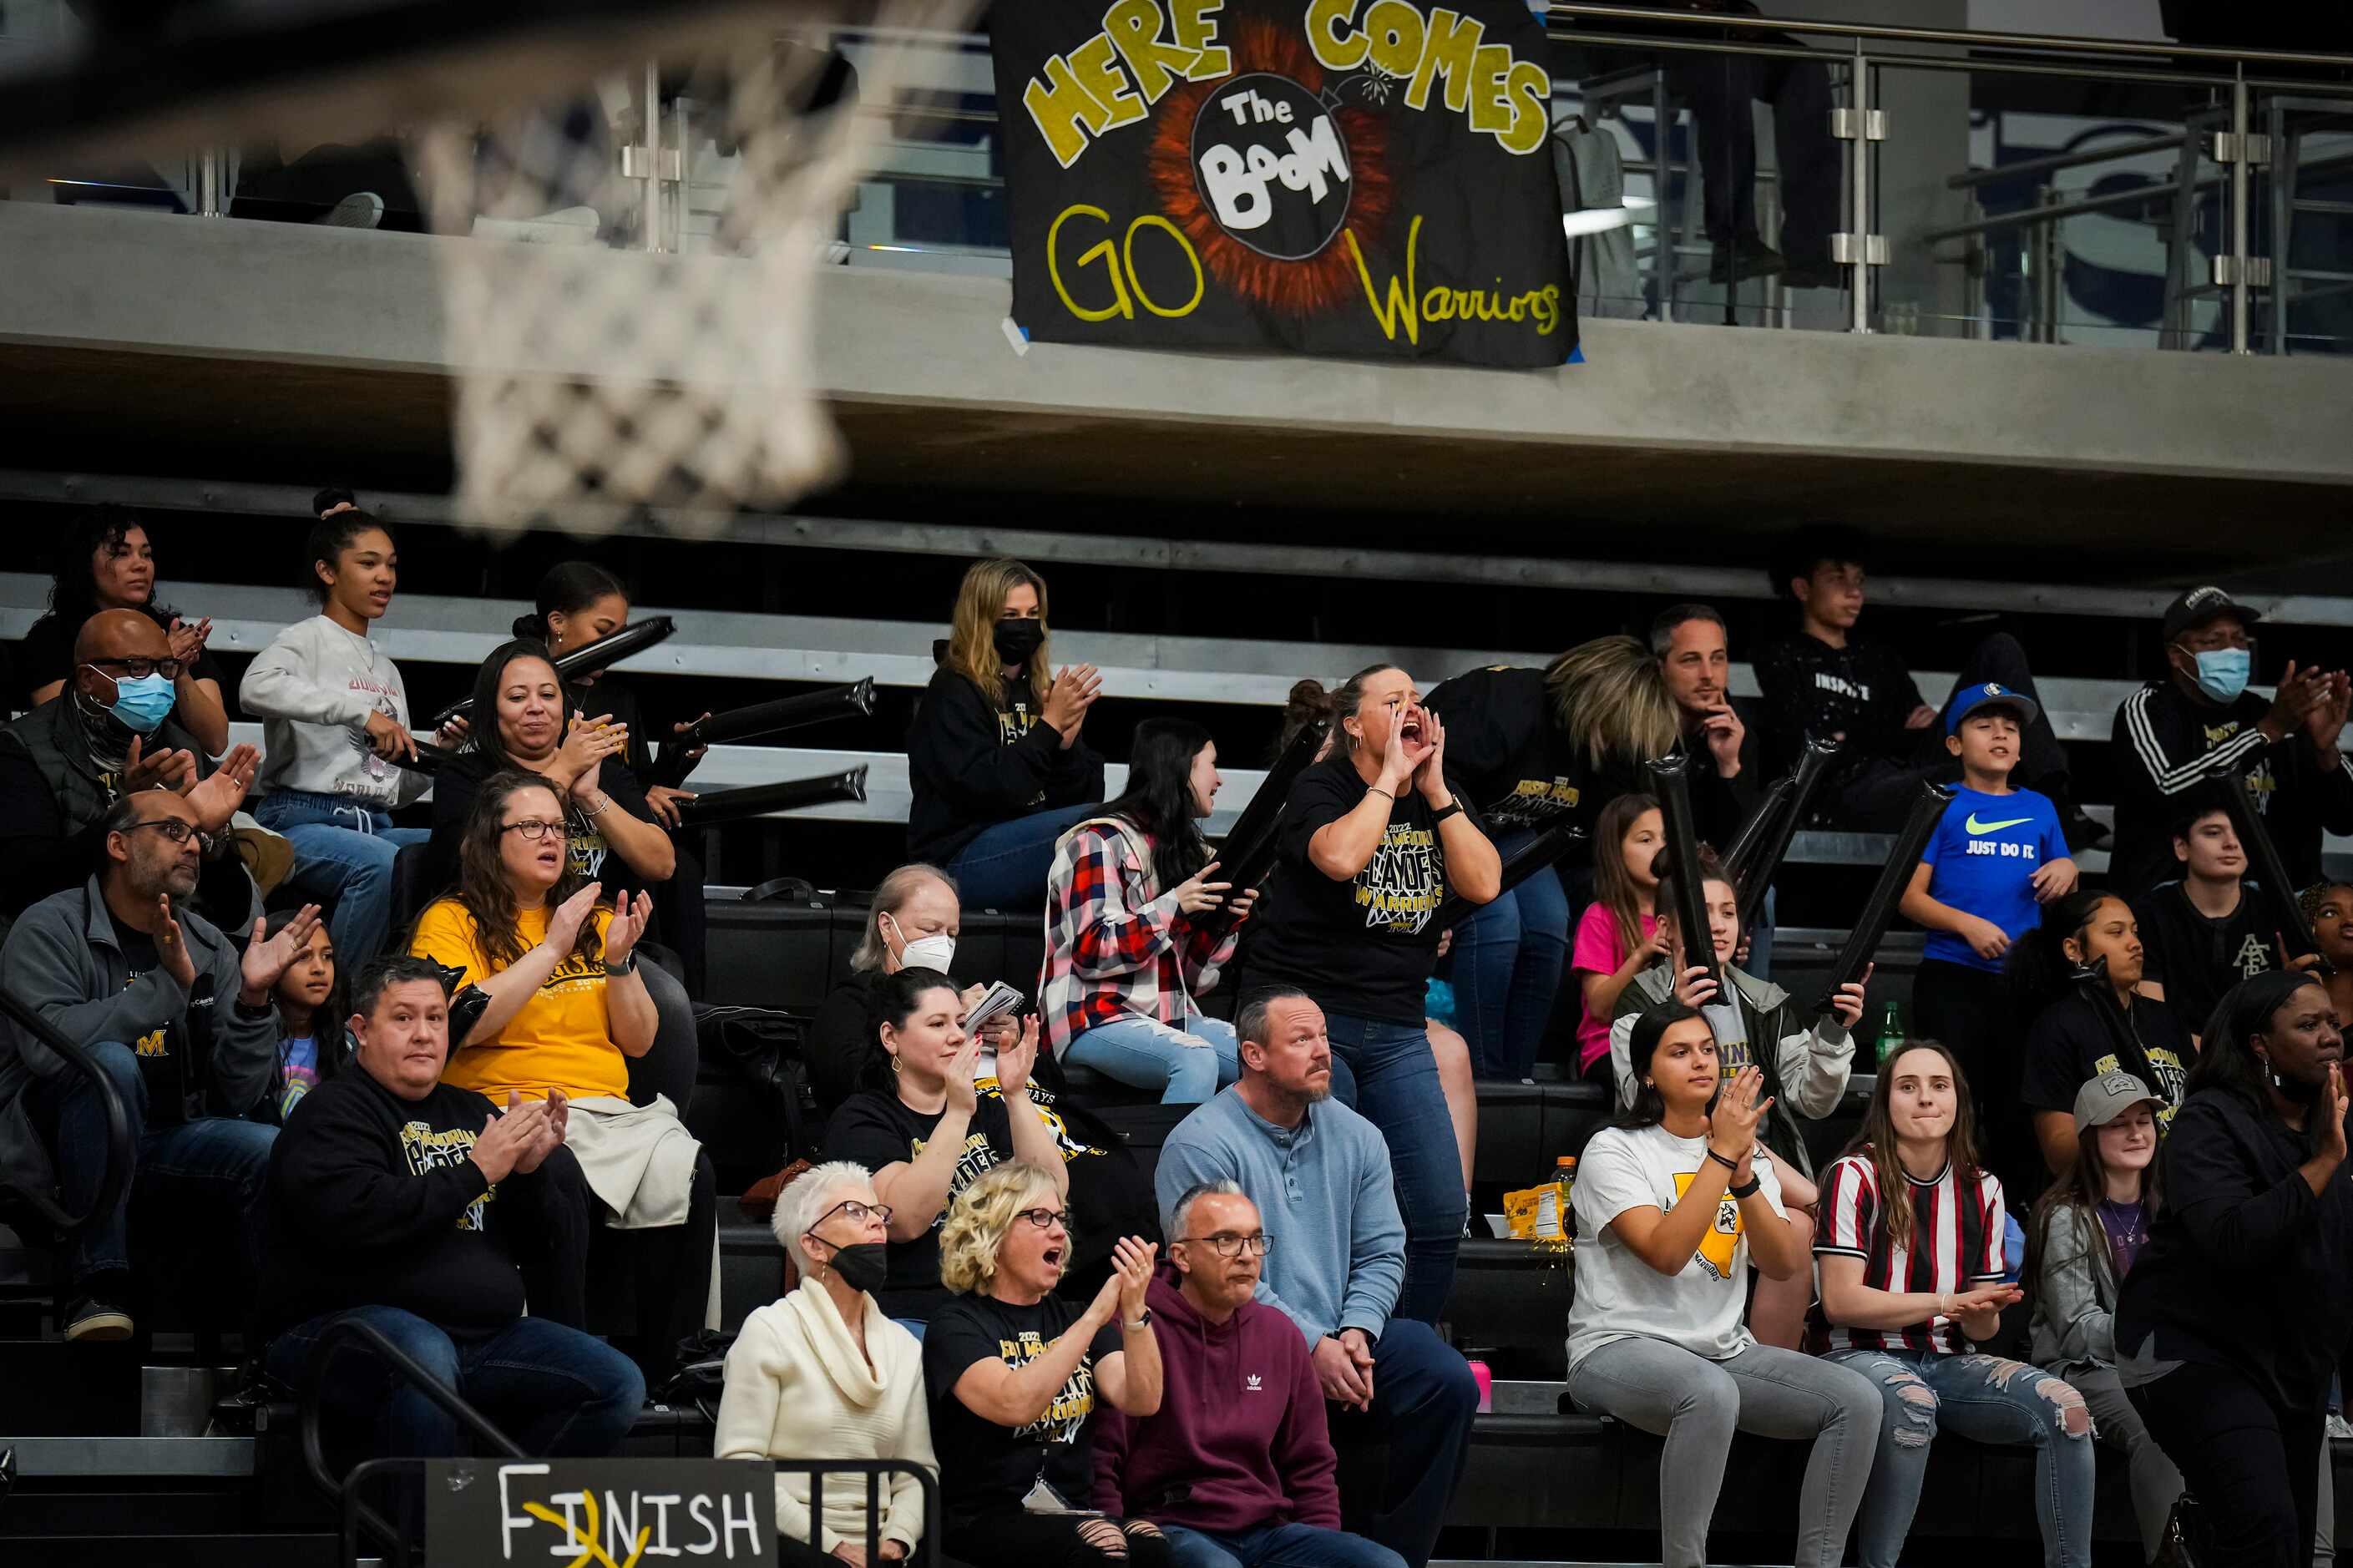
(1614, 937)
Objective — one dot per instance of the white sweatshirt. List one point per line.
(797, 1389)
(315, 686)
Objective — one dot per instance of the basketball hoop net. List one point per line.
(607, 366)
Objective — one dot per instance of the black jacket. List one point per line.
(54, 796)
(1516, 767)
(2165, 742)
(1862, 691)
(2244, 1267)
(373, 1200)
(971, 765)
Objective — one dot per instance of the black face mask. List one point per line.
(1017, 639)
(864, 1266)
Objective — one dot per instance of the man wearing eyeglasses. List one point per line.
(1237, 1465)
(2171, 735)
(1320, 1174)
(184, 1026)
(108, 735)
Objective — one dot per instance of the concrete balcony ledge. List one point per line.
(302, 327)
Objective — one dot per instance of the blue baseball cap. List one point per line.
(1969, 699)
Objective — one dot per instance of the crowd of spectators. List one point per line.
(390, 1074)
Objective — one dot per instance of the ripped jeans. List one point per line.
(1992, 1400)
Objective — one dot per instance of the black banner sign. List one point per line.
(598, 1513)
(1364, 177)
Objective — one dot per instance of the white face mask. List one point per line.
(934, 952)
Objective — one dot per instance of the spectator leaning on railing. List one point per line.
(995, 757)
(184, 1026)
(436, 1218)
(1530, 748)
(2171, 734)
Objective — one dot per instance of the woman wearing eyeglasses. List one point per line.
(568, 1006)
(1014, 1370)
(925, 1130)
(825, 1372)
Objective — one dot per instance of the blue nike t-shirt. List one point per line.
(1982, 859)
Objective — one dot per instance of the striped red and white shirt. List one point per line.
(1957, 1242)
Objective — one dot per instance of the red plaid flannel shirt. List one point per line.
(1115, 944)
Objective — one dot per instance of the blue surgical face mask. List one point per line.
(2223, 672)
(143, 702)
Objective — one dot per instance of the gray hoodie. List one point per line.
(63, 960)
(314, 688)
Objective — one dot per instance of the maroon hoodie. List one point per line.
(1239, 1439)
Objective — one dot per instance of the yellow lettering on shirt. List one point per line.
(560, 1038)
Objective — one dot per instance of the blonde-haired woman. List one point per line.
(1531, 748)
(995, 755)
(825, 1372)
(1014, 1370)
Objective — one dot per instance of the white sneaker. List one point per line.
(2340, 1428)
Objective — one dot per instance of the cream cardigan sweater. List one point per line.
(797, 1389)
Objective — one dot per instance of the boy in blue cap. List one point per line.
(1994, 861)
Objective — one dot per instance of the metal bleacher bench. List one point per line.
(438, 629)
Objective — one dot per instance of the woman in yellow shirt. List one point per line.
(566, 1007)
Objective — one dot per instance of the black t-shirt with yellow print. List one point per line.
(991, 1467)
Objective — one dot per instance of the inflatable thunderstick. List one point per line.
(1879, 908)
(1542, 850)
(759, 800)
(602, 654)
(2264, 857)
(1670, 782)
(1247, 853)
(1757, 851)
(854, 699)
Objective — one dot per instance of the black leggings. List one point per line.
(2253, 1466)
(1014, 1538)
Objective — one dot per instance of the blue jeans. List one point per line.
(1187, 1066)
(1275, 1546)
(1992, 1400)
(1508, 958)
(1396, 1088)
(201, 1181)
(555, 1391)
(343, 853)
(1005, 866)
(1423, 1400)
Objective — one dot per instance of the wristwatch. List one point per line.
(1746, 1188)
(1452, 808)
(1143, 1322)
(626, 966)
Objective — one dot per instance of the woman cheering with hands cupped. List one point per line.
(1674, 1201)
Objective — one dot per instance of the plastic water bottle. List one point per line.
(1553, 1194)
(1891, 1034)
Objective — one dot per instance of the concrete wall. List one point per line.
(82, 278)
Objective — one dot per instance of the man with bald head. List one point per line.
(110, 733)
(184, 1026)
